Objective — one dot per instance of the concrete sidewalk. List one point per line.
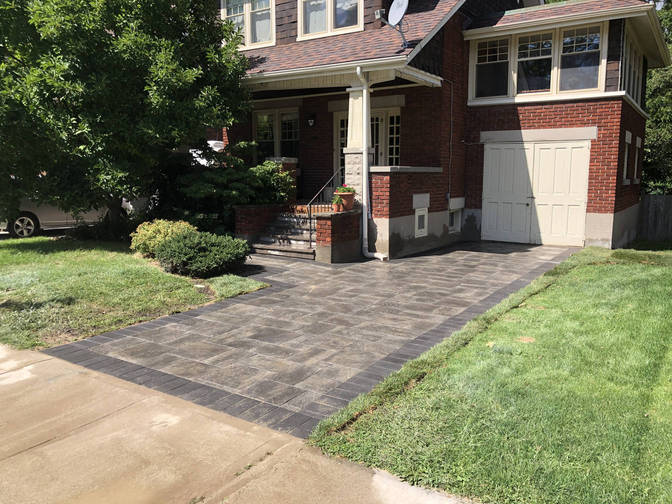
(68, 434)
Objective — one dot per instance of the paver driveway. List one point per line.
(294, 353)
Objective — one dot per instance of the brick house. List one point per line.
(504, 120)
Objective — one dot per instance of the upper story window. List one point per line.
(326, 17)
(632, 70)
(492, 68)
(580, 60)
(535, 62)
(561, 60)
(254, 18)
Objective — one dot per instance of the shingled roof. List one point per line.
(422, 18)
(550, 11)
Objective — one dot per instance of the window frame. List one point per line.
(555, 91)
(626, 157)
(638, 158)
(247, 25)
(277, 134)
(475, 64)
(421, 233)
(330, 31)
(633, 75)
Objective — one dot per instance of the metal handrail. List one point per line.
(312, 201)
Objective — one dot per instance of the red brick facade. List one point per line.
(605, 155)
(252, 220)
(632, 121)
(337, 228)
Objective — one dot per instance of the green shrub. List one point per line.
(201, 255)
(271, 184)
(149, 235)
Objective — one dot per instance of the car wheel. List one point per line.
(24, 226)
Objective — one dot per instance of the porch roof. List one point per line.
(424, 18)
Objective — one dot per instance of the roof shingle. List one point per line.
(544, 12)
(421, 18)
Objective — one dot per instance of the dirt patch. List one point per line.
(526, 339)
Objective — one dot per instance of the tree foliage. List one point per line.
(657, 170)
(95, 95)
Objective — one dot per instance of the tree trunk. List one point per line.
(116, 218)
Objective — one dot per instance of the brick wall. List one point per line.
(337, 228)
(604, 153)
(252, 220)
(632, 121)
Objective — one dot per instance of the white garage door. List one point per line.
(536, 192)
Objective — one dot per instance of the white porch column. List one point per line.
(353, 151)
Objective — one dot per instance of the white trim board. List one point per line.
(540, 135)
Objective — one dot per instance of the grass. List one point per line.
(57, 290)
(561, 394)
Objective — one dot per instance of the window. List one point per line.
(455, 221)
(632, 72)
(420, 222)
(492, 68)
(277, 134)
(626, 160)
(394, 140)
(386, 137)
(580, 60)
(638, 147)
(535, 62)
(254, 18)
(320, 17)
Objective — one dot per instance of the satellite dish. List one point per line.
(397, 11)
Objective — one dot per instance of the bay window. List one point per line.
(324, 17)
(580, 60)
(254, 19)
(632, 69)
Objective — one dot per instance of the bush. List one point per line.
(149, 235)
(271, 183)
(201, 255)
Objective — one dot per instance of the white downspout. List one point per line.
(366, 210)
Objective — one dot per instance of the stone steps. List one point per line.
(284, 250)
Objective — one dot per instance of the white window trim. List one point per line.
(457, 221)
(626, 157)
(330, 31)
(638, 150)
(247, 32)
(420, 233)
(555, 92)
(277, 112)
(631, 43)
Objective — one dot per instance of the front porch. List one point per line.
(315, 125)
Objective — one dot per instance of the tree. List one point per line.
(96, 94)
(657, 169)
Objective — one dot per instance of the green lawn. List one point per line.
(561, 394)
(58, 290)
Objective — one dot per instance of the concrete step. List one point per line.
(298, 233)
(285, 239)
(284, 251)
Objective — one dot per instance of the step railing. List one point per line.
(318, 199)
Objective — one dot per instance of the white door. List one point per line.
(536, 192)
(560, 190)
(507, 192)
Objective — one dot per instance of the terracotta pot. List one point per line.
(336, 208)
(348, 199)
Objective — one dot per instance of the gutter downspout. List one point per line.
(366, 210)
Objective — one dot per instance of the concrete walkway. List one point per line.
(71, 435)
(290, 355)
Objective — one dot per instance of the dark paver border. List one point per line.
(299, 424)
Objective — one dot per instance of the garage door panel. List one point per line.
(536, 192)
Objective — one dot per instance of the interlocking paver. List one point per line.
(293, 353)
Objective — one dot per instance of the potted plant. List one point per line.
(347, 194)
(337, 203)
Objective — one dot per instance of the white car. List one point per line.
(34, 218)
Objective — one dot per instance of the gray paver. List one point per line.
(293, 353)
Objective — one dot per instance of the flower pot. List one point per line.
(336, 208)
(348, 199)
